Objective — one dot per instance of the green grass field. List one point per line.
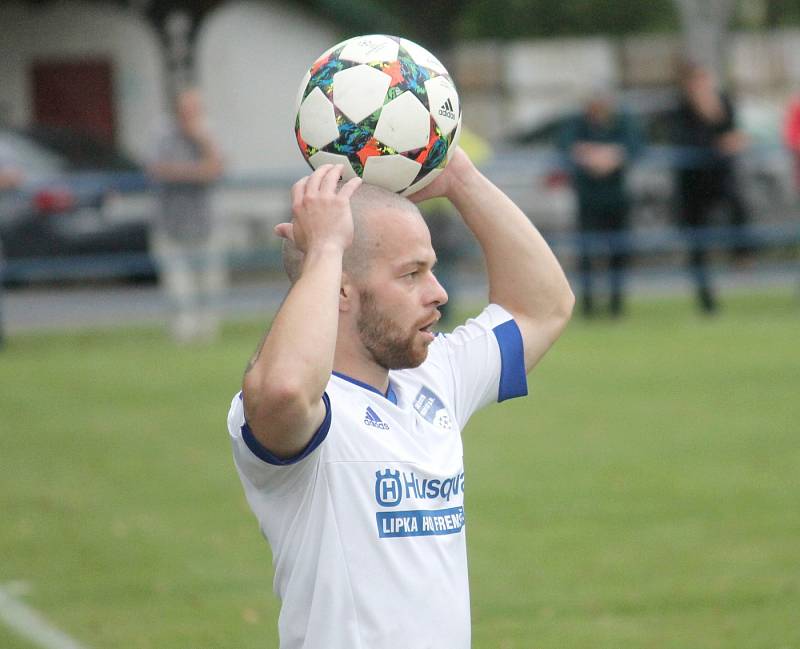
(647, 494)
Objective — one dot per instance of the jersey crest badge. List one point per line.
(432, 409)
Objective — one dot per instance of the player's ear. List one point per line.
(346, 293)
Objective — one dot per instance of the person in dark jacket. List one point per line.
(705, 129)
(599, 144)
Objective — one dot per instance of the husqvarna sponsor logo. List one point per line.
(393, 487)
(388, 488)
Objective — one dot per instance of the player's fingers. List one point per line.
(350, 187)
(284, 231)
(298, 191)
(329, 180)
(314, 180)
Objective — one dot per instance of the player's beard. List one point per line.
(384, 339)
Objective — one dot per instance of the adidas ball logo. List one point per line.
(447, 109)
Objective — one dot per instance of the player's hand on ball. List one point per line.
(322, 214)
(445, 184)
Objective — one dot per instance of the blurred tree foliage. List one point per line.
(537, 18)
(437, 24)
(768, 14)
(440, 23)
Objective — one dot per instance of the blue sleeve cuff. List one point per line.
(513, 379)
(270, 458)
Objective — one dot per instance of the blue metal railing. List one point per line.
(639, 245)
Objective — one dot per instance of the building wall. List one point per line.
(517, 84)
(70, 30)
(251, 57)
(251, 54)
(15, 32)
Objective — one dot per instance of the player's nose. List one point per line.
(438, 293)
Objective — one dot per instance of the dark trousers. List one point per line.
(701, 191)
(603, 241)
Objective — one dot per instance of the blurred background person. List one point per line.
(791, 135)
(705, 128)
(599, 144)
(10, 179)
(185, 240)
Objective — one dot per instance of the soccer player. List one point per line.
(347, 432)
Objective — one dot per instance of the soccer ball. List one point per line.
(384, 107)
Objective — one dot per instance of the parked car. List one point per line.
(530, 168)
(82, 209)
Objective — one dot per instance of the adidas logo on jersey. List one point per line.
(371, 419)
(447, 109)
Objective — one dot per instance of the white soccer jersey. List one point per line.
(367, 525)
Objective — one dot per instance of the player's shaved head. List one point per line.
(367, 204)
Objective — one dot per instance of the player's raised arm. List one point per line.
(524, 275)
(285, 380)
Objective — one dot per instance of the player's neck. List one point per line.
(362, 369)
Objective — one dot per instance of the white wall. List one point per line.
(543, 76)
(251, 57)
(71, 30)
(16, 31)
(522, 83)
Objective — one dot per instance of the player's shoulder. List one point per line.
(463, 348)
(487, 322)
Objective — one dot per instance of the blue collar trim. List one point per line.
(390, 393)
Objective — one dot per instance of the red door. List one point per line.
(78, 95)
